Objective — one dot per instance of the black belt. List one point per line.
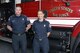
(19, 33)
(40, 39)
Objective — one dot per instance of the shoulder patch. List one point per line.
(49, 25)
(28, 19)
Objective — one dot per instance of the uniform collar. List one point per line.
(42, 21)
(17, 16)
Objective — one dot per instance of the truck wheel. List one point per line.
(76, 44)
(78, 49)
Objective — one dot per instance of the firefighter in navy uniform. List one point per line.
(42, 30)
(18, 24)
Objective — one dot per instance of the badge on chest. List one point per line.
(23, 19)
(44, 25)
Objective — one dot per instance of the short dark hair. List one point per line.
(18, 6)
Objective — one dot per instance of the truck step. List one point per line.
(6, 39)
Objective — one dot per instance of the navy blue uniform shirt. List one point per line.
(18, 23)
(41, 28)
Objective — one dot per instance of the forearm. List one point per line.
(48, 34)
(9, 28)
(28, 27)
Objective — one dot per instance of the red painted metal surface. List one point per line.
(76, 30)
(30, 8)
(55, 8)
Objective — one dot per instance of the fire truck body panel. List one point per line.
(55, 9)
(64, 18)
(61, 14)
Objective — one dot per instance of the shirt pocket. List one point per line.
(22, 21)
(14, 22)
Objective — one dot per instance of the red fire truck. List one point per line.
(64, 16)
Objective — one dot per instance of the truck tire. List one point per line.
(77, 41)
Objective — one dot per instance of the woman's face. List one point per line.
(40, 15)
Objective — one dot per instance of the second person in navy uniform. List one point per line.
(42, 29)
(18, 24)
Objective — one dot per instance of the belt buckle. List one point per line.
(19, 34)
(40, 39)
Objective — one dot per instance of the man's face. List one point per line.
(18, 10)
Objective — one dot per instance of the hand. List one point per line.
(28, 27)
(9, 28)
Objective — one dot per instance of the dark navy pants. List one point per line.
(43, 45)
(19, 41)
